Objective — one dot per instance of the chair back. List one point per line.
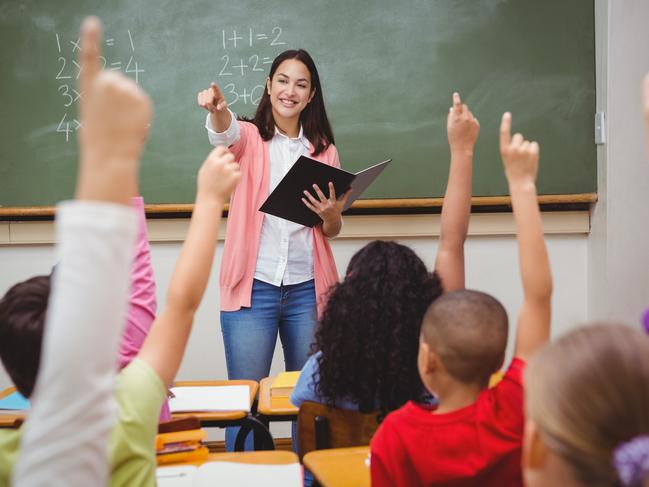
(320, 426)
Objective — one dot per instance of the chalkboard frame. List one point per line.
(369, 206)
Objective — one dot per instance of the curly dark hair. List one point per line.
(369, 331)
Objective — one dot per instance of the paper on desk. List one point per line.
(210, 398)
(231, 474)
(182, 476)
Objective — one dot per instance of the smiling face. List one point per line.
(290, 91)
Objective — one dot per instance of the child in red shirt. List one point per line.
(474, 435)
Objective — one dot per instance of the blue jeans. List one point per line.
(249, 334)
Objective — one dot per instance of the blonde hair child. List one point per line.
(587, 402)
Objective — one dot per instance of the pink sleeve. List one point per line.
(246, 131)
(142, 301)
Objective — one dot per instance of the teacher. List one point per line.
(274, 273)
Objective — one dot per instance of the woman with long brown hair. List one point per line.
(274, 273)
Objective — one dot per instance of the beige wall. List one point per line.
(618, 263)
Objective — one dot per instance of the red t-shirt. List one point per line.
(479, 445)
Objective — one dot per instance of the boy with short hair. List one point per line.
(474, 435)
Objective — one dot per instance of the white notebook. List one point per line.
(210, 398)
(217, 474)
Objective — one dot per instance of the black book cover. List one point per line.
(286, 199)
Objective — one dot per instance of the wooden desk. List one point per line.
(273, 457)
(276, 457)
(276, 408)
(221, 419)
(340, 467)
(11, 419)
(210, 418)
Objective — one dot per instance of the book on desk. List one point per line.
(209, 398)
(181, 440)
(284, 384)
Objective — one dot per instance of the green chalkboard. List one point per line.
(388, 69)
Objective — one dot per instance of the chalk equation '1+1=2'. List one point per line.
(249, 68)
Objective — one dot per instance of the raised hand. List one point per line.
(462, 127)
(115, 118)
(520, 157)
(218, 175)
(212, 99)
(328, 209)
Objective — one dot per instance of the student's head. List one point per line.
(293, 91)
(369, 330)
(463, 337)
(22, 319)
(587, 401)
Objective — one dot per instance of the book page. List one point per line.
(363, 179)
(179, 476)
(246, 474)
(210, 398)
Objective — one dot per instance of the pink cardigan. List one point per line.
(244, 225)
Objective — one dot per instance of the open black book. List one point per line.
(286, 199)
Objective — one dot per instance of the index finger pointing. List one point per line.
(505, 130)
(457, 101)
(90, 52)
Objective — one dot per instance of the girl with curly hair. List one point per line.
(368, 336)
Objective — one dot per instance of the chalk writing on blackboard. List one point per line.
(68, 71)
(242, 75)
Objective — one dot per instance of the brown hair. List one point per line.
(588, 393)
(22, 319)
(315, 122)
(468, 331)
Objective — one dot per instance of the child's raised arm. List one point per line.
(164, 347)
(66, 434)
(520, 158)
(463, 129)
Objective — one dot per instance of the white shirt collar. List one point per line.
(300, 136)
